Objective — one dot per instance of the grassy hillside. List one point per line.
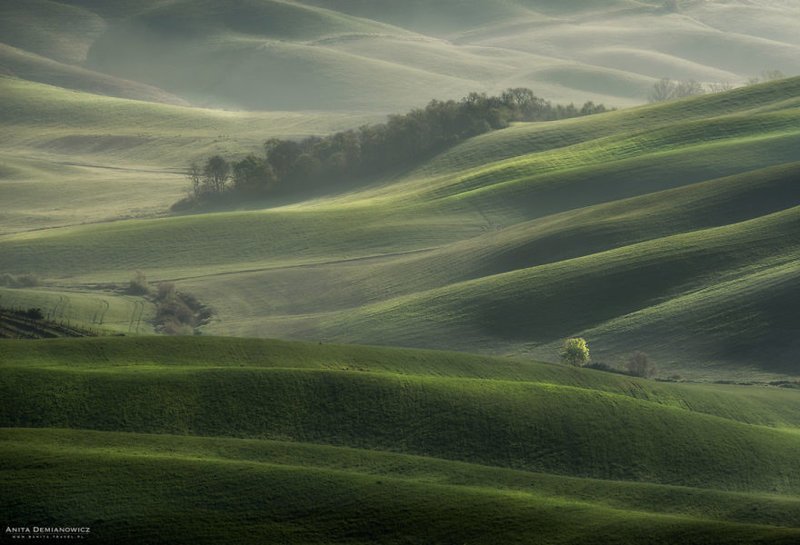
(70, 157)
(637, 229)
(288, 442)
(52, 29)
(101, 312)
(671, 228)
(32, 67)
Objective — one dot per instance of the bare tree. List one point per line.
(772, 75)
(766, 75)
(639, 365)
(720, 87)
(663, 90)
(195, 176)
(688, 88)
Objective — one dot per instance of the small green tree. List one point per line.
(575, 352)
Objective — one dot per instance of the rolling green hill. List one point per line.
(669, 228)
(69, 157)
(270, 441)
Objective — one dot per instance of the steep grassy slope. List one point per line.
(294, 443)
(638, 229)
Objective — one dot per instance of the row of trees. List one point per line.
(667, 89)
(289, 165)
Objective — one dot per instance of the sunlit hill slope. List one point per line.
(669, 228)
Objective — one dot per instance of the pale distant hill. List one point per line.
(384, 56)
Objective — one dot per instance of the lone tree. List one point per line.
(639, 365)
(575, 352)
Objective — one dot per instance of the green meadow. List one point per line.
(179, 440)
(636, 229)
(380, 364)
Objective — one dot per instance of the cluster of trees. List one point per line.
(667, 89)
(575, 352)
(289, 165)
(177, 313)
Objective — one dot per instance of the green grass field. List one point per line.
(71, 157)
(104, 312)
(275, 442)
(637, 229)
(671, 228)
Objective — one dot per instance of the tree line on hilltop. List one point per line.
(667, 89)
(289, 165)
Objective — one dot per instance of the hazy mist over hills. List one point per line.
(387, 56)
(317, 272)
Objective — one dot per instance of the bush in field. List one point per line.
(575, 352)
(138, 284)
(165, 291)
(178, 313)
